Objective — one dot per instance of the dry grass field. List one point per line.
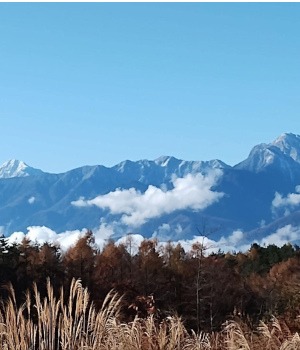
(72, 323)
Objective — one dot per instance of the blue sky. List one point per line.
(98, 83)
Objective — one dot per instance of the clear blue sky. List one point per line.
(98, 83)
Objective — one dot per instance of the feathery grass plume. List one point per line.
(235, 337)
(285, 330)
(48, 317)
(70, 318)
(273, 334)
(268, 337)
(149, 333)
(74, 324)
(133, 333)
(71, 326)
(276, 324)
(200, 341)
(177, 332)
(16, 332)
(292, 344)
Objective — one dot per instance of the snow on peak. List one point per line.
(289, 144)
(216, 163)
(17, 168)
(282, 153)
(164, 160)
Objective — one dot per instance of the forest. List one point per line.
(204, 292)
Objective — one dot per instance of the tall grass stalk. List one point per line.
(73, 323)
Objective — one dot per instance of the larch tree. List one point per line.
(79, 260)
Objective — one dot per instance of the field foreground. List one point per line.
(71, 322)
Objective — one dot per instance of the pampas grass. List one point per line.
(73, 323)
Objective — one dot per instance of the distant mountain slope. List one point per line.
(32, 197)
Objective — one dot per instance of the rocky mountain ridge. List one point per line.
(31, 197)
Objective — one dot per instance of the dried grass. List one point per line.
(74, 323)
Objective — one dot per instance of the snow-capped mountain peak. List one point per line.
(282, 152)
(17, 168)
(289, 144)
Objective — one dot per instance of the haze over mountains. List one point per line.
(167, 197)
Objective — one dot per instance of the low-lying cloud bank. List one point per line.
(191, 192)
(283, 235)
(42, 234)
(235, 242)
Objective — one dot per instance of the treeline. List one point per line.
(204, 289)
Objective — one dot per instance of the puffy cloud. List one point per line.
(131, 242)
(68, 238)
(291, 201)
(163, 232)
(209, 244)
(31, 200)
(16, 237)
(282, 236)
(234, 239)
(104, 232)
(191, 192)
(42, 234)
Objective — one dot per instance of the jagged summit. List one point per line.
(17, 168)
(282, 152)
(289, 144)
(165, 160)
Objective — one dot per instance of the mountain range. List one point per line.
(167, 197)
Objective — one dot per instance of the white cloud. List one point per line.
(131, 242)
(291, 201)
(31, 200)
(282, 236)
(233, 240)
(66, 239)
(16, 237)
(209, 244)
(42, 234)
(236, 241)
(191, 192)
(178, 229)
(162, 232)
(104, 232)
